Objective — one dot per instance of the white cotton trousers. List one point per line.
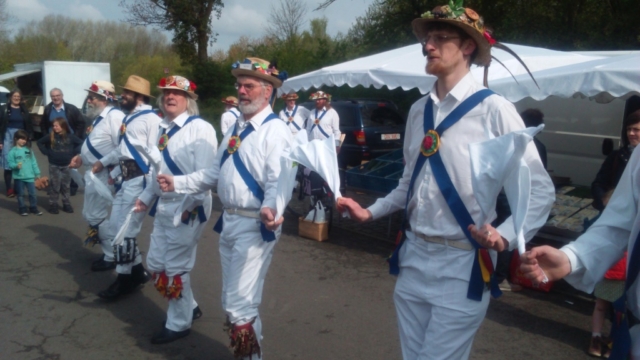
(435, 318)
(173, 250)
(95, 210)
(245, 259)
(122, 204)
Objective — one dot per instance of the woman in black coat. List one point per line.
(13, 117)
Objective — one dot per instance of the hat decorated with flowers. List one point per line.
(230, 100)
(292, 96)
(469, 21)
(104, 89)
(319, 95)
(178, 82)
(261, 69)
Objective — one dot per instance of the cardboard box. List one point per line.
(312, 230)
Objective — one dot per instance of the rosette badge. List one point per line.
(234, 144)
(430, 143)
(123, 129)
(163, 142)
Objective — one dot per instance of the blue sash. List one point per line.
(620, 322)
(175, 170)
(248, 179)
(461, 214)
(295, 109)
(132, 150)
(92, 149)
(318, 125)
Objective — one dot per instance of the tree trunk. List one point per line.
(203, 44)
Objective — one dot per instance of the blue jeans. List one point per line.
(31, 187)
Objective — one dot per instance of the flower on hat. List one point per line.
(106, 93)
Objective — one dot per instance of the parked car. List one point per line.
(372, 128)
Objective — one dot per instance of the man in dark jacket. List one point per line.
(58, 108)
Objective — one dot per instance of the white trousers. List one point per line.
(95, 210)
(173, 250)
(435, 318)
(245, 259)
(122, 204)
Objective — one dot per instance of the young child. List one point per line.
(24, 171)
(60, 147)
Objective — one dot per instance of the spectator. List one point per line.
(615, 163)
(60, 147)
(13, 117)
(25, 171)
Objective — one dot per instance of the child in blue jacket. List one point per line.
(25, 170)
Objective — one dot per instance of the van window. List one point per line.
(348, 114)
(375, 115)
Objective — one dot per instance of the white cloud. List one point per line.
(84, 12)
(239, 20)
(27, 10)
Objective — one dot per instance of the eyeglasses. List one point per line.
(438, 39)
(91, 98)
(247, 87)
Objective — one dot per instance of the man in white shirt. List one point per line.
(230, 114)
(584, 262)
(187, 144)
(443, 265)
(139, 126)
(101, 140)
(245, 170)
(293, 115)
(323, 120)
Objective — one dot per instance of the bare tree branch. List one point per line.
(324, 5)
(286, 20)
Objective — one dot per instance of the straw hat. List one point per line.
(179, 83)
(320, 95)
(230, 100)
(259, 68)
(292, 96)
(138, 85)
(104, 89)
(464, 18)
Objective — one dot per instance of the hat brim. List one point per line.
(230, 103)
(137, 91)
(483, 58)
(287, 98)
(91, 91)
(192, 95)
(266, 77)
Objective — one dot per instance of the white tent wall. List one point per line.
(573, 134)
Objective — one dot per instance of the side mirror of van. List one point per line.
(607, 147)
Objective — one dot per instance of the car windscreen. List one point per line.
(348, 114)
(380, 115)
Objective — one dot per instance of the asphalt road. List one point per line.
(329, 300)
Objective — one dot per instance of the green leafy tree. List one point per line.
(189, 20)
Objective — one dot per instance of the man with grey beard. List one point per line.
(101, 140)
(245, 171)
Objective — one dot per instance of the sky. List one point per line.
(239, 17)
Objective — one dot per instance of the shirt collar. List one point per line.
(324, 108)
(141, 107)
(257, 119)
(179, 121)
(105, 111)
(458, 92)
(61, 107)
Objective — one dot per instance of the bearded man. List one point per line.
(101, 141)
(246, 171)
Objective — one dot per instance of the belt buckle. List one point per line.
(123, 169)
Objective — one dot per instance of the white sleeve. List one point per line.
(335, 125)
(224, 126)
(277, 143)
(202, 180)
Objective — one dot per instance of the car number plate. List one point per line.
(390, 136)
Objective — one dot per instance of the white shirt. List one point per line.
(144, 128)
(103, 137)
(429, 213)
(260, 152)
(301, 114)
(605, 241)
(330, 123)
(228, 119)
(192, 148)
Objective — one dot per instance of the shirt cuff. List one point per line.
(377, 210)
(269, 203)
(507, 231)
(147, 197)
(180, 184)
(574, 261)
(115, 172)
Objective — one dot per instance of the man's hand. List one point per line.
(488, 237)
(166, 183)
(76, 162)
(139, 206)
(97, 167)
(544, 263)
(267, 215)
(355, 210)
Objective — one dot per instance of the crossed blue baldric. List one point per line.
(318, 125)
(295, 109)
(87, 141)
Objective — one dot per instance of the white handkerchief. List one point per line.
(93, 184)
(320, 156)
(123, 229)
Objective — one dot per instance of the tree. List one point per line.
(189, 20)
(4, 20)
(285, 21)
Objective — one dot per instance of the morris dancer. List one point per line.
(141, 125)
(439, 305)
(246, 171)
(293, 115)
(323, 120)
(101, 140)
(188, 144)
(230, 115)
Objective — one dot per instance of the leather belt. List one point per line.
(130, 169)
(458, 244)
(250, 213)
